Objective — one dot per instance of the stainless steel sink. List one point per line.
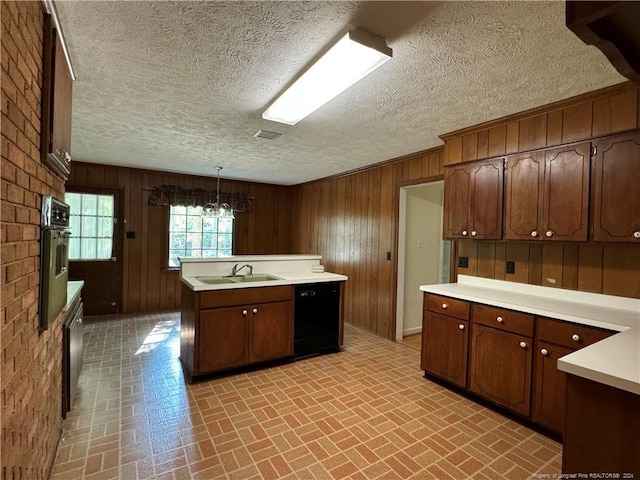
(238, 279)
(255, 278)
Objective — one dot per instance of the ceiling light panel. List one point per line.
(353, 57)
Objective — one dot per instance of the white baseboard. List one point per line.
(411, 331)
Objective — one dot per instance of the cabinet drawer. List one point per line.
(447, 306)
(245, 296)
(502, 319)
(568, 334)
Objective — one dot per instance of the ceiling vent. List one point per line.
(266, 134)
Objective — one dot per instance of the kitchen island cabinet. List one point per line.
(230, 329)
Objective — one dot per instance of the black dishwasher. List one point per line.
(316, 319)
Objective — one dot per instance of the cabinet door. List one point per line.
(566, 193)
(486, 199)
(445, 342)
(525, 188)
(456, 201)
(616, 199)
(223, 340)
(270, 331)
(500, 368)
(549, 387)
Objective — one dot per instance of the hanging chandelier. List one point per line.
(217, 209)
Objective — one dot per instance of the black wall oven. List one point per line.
(54, 259)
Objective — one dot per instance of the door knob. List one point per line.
(255, 310)
(549, 234)
(113, 304)
(461, 326)
(534, 234)
(544, 351)
(575, 337)
(444, 306)
(474, 233)
(464, 233)
(499, 320)
(114, 259)
(636, 234)
(244, 313)
(523, 344)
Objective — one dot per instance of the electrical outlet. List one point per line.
(388, 255)
(511, 266)
(131, 234)
(463, 262)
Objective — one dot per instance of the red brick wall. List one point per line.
(31, 362)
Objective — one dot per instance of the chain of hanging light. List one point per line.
(217, 209)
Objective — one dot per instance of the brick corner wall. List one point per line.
(30, 362)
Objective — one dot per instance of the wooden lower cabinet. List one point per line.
(223, 339)
(445, 344)
(602, 434)
(221, 330)
(500, 368)
(549, 387)
(270, 332)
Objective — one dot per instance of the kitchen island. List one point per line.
(243, 310)
(568, 361)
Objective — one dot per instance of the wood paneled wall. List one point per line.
(604, 112)
(351, 220)
(147, 284)
(609, 268)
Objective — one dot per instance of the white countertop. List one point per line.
(74, 288)
(291, 269)
(614, 361)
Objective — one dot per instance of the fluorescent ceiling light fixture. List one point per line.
(355, 55)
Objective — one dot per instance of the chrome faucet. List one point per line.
(235, 269)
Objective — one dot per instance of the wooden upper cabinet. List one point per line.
(55, 140)
(473, 200)
(616, 196)
(525, 184)
(548, 194)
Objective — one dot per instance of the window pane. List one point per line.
(91, 225)
(191, 235)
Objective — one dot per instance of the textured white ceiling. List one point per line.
(181, 86)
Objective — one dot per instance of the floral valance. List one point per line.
(197, 197)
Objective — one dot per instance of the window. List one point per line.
(191, 235)
(91, 225)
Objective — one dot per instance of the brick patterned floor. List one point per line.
(364, 413)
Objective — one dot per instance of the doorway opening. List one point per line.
(423, 257)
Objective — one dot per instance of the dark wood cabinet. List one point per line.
(226, 329)
(547, 194)
(555, 339)
(549, 387)
(445, 344)
(473, 200)
(616, 196)
(445, 338)
(223, 339)
(270, 331)
(57, 92)
(500, 367)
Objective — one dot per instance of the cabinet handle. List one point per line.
(499, 319)
(464, 233)
(444, 306)
(534, 234)
(474, 233)
(636, 234)
(255, 310)
(575, 337)
(244, 313)
(544, 352)
(549, 234)
(523, 344)
(461, 326)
